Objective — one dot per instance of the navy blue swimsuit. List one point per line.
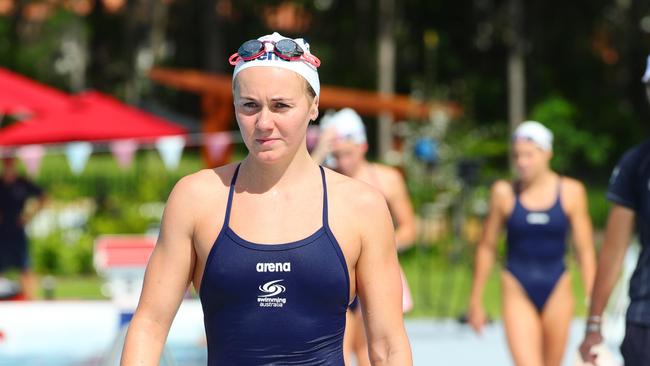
(536, 247)
(275, 304)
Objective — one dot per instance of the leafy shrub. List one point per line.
(573, 146)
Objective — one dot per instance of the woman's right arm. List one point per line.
(166, 280)
(485, 250)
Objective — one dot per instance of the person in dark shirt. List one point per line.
(629, 192)
(15, 191)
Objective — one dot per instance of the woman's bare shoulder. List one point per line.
(391, 176)
(502, 189)
(572, 185)
(205, 183)
(573, 193)
(356, 195)
(502, 196)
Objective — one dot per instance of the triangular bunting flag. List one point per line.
(217, 143)
(31, 156)
(78, 154)
(123, 151)
(171, 150)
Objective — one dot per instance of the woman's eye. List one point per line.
(281, 105)
(250, 105)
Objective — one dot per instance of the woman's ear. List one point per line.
(313, 112)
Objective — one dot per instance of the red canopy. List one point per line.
(19, 94)
(95, 117)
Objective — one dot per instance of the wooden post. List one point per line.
(516, 68)
(217, 115)
(386, 70)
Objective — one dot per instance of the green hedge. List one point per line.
(118, 195)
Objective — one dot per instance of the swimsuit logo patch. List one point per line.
(537, 218)
(272, 288)
(273, 267)
(269, 298)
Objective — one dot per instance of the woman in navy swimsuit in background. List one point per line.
(537, 210)
(276, 245)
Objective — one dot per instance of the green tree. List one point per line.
(572, 146)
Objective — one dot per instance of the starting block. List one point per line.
(122, 261)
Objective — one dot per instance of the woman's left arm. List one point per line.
(379, 285)
(582, 233)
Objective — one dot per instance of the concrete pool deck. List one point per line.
(69, 333)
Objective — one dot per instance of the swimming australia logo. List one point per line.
(272, 288)
(537, 218)
(273, 267)
(269, 297)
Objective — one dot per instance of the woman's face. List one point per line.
(349, 156)
(273, 111)
(530, 160)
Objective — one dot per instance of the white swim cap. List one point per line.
(348, 125)
(535, 132)
(646, 76)
(302, 68)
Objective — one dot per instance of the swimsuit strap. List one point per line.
(325, 213)
(231, 193)
(559, 189)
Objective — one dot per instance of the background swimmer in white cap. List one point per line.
(343, 139)
(296, 244)
(629, 193)
(537, 210)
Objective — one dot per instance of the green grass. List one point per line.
(67, 287)
(441, 284)
(76, 288)
(145, 180)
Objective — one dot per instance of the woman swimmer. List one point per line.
(537, 210)
(297, 242)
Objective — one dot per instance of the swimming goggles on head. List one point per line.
(287, 49)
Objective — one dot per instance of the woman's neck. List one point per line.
(544, 178)
(260, 177)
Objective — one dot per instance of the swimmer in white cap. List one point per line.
(344, 141)
(537, 209)
(275, 245)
